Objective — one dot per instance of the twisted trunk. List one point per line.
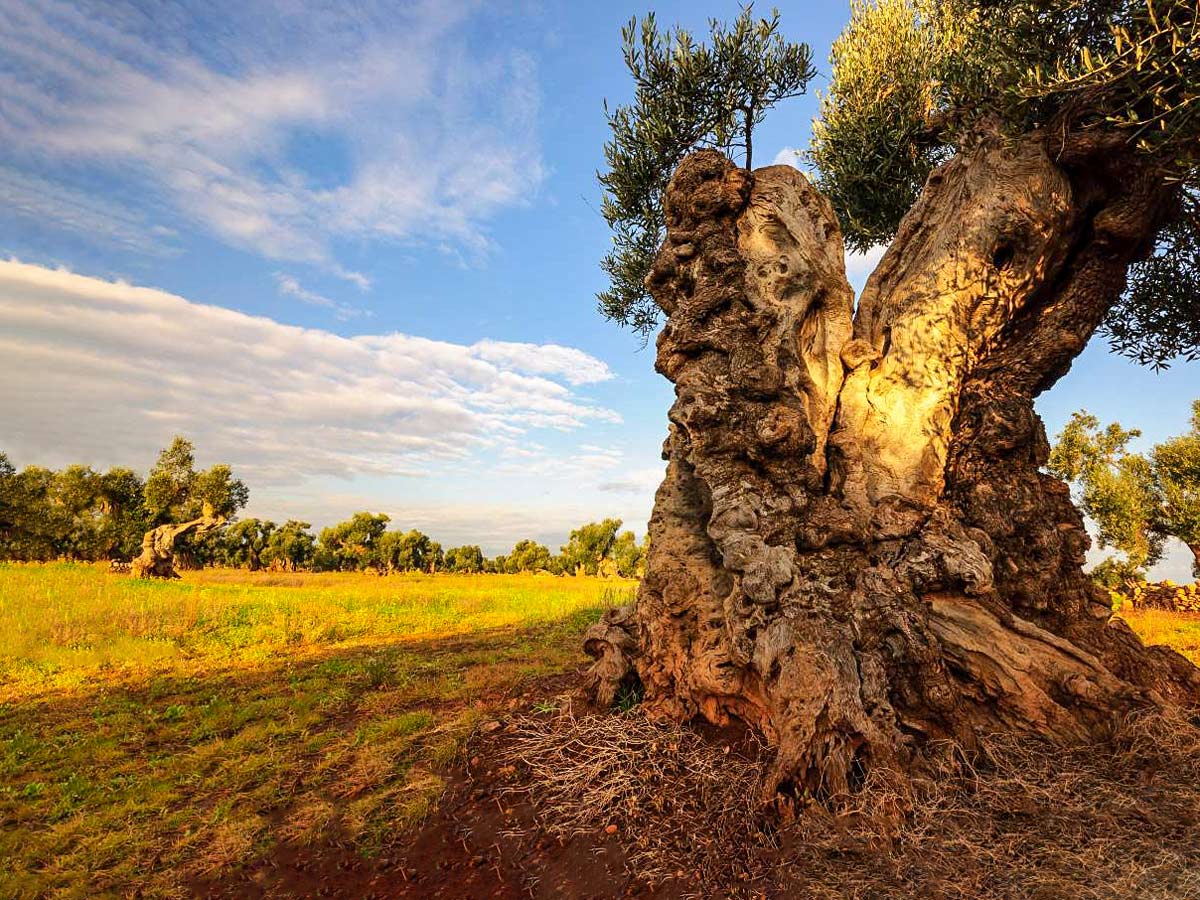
(157, 559)
(854, 549)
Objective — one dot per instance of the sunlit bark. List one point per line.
(854, 550)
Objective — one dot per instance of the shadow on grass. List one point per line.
(208, 779)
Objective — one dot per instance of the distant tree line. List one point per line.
(77, 513)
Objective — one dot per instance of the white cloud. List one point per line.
(859, 266)
(788, 156)
(431, 139)
(358, 279)
(105, 372)
(42, 202)
(574, 365)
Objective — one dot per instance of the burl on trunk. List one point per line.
(854, 550)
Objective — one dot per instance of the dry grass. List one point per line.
(1118, 820)
(1029, 820)
(651, 783)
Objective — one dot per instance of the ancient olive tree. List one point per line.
(467, 559)
(175, 494)
(290, 547)
(157, 559)
(854, 550)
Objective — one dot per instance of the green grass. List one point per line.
(156, 735)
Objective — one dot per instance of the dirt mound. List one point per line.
(615, 807)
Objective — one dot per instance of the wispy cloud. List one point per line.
(431, 138)
(101, 371)
(30, 200)
(289, 286)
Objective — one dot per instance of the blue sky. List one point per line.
(352, 248)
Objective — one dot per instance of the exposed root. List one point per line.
(1027, 819)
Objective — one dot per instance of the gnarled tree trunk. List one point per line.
(854, 550)
(157, 559)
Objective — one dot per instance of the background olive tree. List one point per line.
(1136, 500)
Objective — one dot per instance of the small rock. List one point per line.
(491, 726)
(611, 829)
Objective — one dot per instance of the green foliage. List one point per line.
(80, 514)
(169, 485)
(122, 521)
(176, 492)
(244, 543)
(1137, 501)
(33, 527)
(1158, 317)
(527, 556)
(687, 95)
(351, 545)
(871, 142)
(467, 560)
(589, 546)
(1176, 467)
(409, 551)
(914, 81)
(1117, 574)
(1116, 489)
(290, 547)
(628, 556)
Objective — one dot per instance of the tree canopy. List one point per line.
(687, 95)
(1136, 500)
(176, 492)
(914, 81)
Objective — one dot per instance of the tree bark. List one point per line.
(854, 550)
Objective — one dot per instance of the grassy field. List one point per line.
(155, 736)
(1178, 630)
